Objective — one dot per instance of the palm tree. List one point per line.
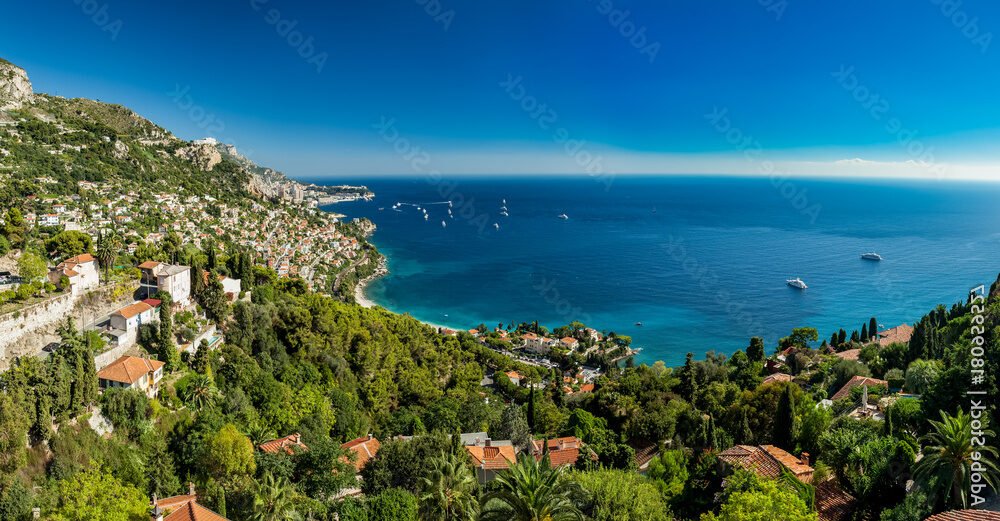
(532, 491)
(109, 245)
(948, 457)
(449, 493)
(274, 500)
(200, 391)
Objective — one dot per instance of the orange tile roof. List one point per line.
(192, 511)
(129, 369)
(966, 515)
(288, 444)
(175, 502)
(900, 334)
(833, 503)
(793, 464)
(492, 457)
(513, 375)
(134, 309)
(364, 449)
(80, 259)
(777, 377)
(148, 265)
(858, 381)
(561, 451)
(766, 461)
(850, 354)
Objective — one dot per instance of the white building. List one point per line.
(125, 323)
(170, 278)
(81, 271)
(130, 372)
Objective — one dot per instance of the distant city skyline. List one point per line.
(599, 87)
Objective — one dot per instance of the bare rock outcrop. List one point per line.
(15, 88)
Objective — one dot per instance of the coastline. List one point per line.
(364, 301)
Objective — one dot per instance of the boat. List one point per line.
(797, 283)
(871, 256)
(497, 226)
(444, 224)
(563, 216)
(638, 324)
(426, 217)
(504, 213)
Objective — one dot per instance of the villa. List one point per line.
(364, 449)
(490, 459)
(131, 372)
(289, 445)
(125, 323)
(81, 271)
(173, 279)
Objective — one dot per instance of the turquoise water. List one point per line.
(700, 262)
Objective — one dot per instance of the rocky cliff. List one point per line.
(15, 88)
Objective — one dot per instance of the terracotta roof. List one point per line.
(133, 309)
(766, 461)
(80, 259)
(153, 302)
(777, 377)
(858, 381)
(833, 503)
(129, 369)
(850, 354)
(175, 502)
(561, 451)
(192, 511)
(364, 448)
(965, 515)
(513, 375)
(900, 334)
(287, 444)
(492, 457)
(645, 451)
(148, 265)
(568, 340)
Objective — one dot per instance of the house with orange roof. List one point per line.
(850, 354)
(900, 334)
(125, 323)
(777, 377)
(858, 381)
(364, 449)
(182, 508)
(132, 372)
(489, 459)
(289, 445)
(515, 377)
(570, 342)
(81, 271)
(562, 452)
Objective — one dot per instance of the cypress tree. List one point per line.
(864, 332)
(784, 420)
(833, 339)
(531, 409)
(854, 336)
(755, 352)
(841, 336)
(872, 327)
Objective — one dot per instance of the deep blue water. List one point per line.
(701, 262)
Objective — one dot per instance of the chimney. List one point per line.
(156, 514)
(370, 436)
(489, 442)
(191, 488)
(804, 459)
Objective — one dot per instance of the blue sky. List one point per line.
(917, 90)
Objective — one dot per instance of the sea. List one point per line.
(680, 264)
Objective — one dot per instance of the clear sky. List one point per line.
(852, 87)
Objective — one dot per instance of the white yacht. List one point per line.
(504, 213)
(871, 256)
(426, 217)
(444, 224)
(563, 216)
(497, 226)
(796, 283)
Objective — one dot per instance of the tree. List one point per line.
(784, 420)
(766, 502)
(198, 390)
(229, 454)
(94, 495)
(167, 350)
(394, 504)
(669, 472)
(322, 471)
(109, 246)
(949, 455)
(800, 337)
(864, 333)
(921, 375)
(755, 351)
(513, 426)
(449, 492)
(274, 500)
(531, 490)
(872, 328)
(31, 267)
(127, 409)
(14, 227)
(68, 243)
(619, 494)
(13, 434)
(531, 409)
